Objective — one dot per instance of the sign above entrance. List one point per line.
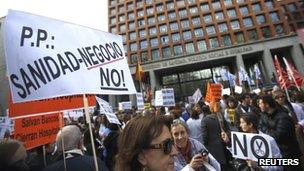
(197, 58)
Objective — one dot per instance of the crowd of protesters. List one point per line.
(183, 137)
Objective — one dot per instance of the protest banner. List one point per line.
(125, 105)
(197, 96)
(34, 131)
(48, 105)
(191, 100)
(139, 101)
(214, 92)
(6, 124)
(46, 62)
(165, 97)
(250, 146)
(106, 109)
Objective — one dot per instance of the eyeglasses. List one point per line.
(166, 145)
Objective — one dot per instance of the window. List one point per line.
(187, 35)
(170, 5)
(210, 30)
(149, 1)
(266, 32)
(133, 58)
(173, 26)
(155, 54)
(121, 9)
(208, 18)
(231, 13)
(143, 44)
(260, 19)
(252, 35)
(274, 17)
(142, 33)
(213, 42)
(226, 40)
(216, 5)
(131, 16)
(235, 25)
(256, 8)
(279, 29)
(176, 37)
(239, 37)
(150, 11)
(196, 21)
(227, 2)
(113, 30)
(113, 20)
(219, 16)
(205, 7)
(132, 36)
(178, 50)
(166, 52)
(113, 11)
(133, 47)
(223, 27)
(198, 32)
(247, 22)
(161, 18)
(139, 3)
(151, 21)
(201, 45)
(244, 10)
(180, 3)
(140, 23)
(291, 7)
(122, 28)
(191, 2)
(131, 25)
(269, 5)
(124, 37)
(130, 6)
(152, 31)
(239, 1)
(193, 10)
(182, 13)
(160, 8)
(185, 24)
(140, 13)
(121, 18)
(144, 57)
(189, 48)
(164, 40)
(163, 29)
(154, 42)
(171, 15)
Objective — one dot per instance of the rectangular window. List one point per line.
(133, 58)
(163, 29)
(189, 48)
(151, 21)
(214, 42)
(131, 16)
(252, 35)
(235, 25)
(144, 57)
(185, 24)
(140, 23)
(130, 6)
(143, 44)
(166, 52)
(226, 40)
(171, 15)
(182, 13)
(122, 28)
(279, 29)
(142, 33)
(223, 27)
(139, 3)
(170, 5)
(140, 13)
(164, 40)
(219, 16)
(187, 35)
(154, 42)
(132, 35)
(193, 10)
(155, 54)
(216, 5)
(152, 31)
(176, 37)
(239, 37)
(201, 45)
(244, 10)
(149, 2)
(173, 26)
(210, 30)
(178, 50)
(208, 18)
(180, 3)
(248, 22)
(291, 7)
(133, 47)
(228, 3)
(121, 18)
(231, 13)
(256, 8)
(196, 21)
(266, 32)
(269, 5)
(113, 20)
(198, 32)
(160, 8)
(274, 17)
(260, 19)
(150, 11)
(205, 7)
(161, 18)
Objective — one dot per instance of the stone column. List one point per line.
(297, 57)
(269, 65)
(239, 61)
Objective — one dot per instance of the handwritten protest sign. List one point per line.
(139, 101)
(34, 131)
(46, 62)
(106, 109)
(250, 146)
(165, 97)
(125, 105)
(197, 96)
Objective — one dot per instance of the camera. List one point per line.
(204, 152)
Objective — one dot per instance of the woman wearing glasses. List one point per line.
(192, 155)
(146, 144)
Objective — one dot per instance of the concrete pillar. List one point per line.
(268, 64)
(239, 61)
(154, 81)
(113, 102)
(297, 57)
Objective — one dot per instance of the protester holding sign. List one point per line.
(190, 151)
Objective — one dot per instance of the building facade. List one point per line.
(183, 44)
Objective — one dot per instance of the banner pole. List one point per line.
(62, 142)
(44, 156)
(88, 118)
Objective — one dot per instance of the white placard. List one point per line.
(106, 109)
(257, 91)
(75, 114)
(238, 89)
(197, 95)
(191, 100)
(165, 97)
(250, 146)
(6, 124)
(158, 98)
(48, 58)
(139, 101)
(125, 105)
(226, 91)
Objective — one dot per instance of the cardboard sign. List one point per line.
(197, 96)
(250, 146)
(106, 109)
(34, 131)
(48, 105)
(139, 101)
(6, 124)
(214, 92)
(125, 105)
(165, 97)
(46, 62)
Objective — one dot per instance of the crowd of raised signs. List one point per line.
(181, 137)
